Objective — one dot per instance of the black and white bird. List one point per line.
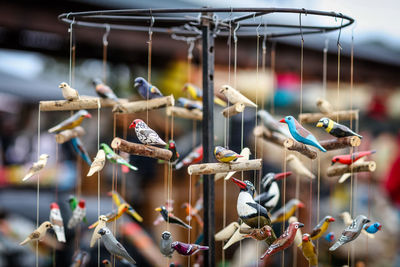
(270, 197)
(351, 232)
(145, 134)
(251, 213)
(113, 246)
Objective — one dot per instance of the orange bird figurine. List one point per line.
(194, 211)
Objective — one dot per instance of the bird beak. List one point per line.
(331, 219)
(305, 238)
(319, 124)
(368, 220)
(301, 225)
(239, 183)
(379, 227)
(221, 90)
(132, 125)
(282, 120)
(300, 205)
(88, 116)
(136, 85)
(333, 162)
(247, 236)
(282, 175)
(158, 209)
(60, 86)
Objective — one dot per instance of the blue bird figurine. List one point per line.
(372, 228)
(146, 90)
(330, 236)
(80, 150)
(300, 134)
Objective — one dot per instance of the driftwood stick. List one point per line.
(233, 110)
(366, 166)
(338, 143)
(67, 135)
(300, 147)
(343, 116)
(274, 137)
(141, 150)
(212, 168)
(184, 113)
(324, 106)
(60, 105)
(143, 105)
(295, 164)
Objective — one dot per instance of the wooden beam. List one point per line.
(233, 110)
(67, 135)
(184, 113)
(338, 143)
(366, 166)
(212, 168)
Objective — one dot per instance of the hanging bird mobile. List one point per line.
(68, 92)
(38, 234)
(36, 167)
(170, 218)
(71, 122)
(225, 155)
(335, 129)
(115, 158)
(145, 134)
(146, 90)
(351, 158)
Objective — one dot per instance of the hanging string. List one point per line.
(38, 189)
(284, 203)
(70, 30)
(105, 46)
(273, 56)
(301, 66)
(325, 68)
(339, 48)
(150, 43)
(98, 177)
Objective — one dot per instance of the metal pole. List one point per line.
(208, 136)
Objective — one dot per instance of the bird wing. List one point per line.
(134, 214)
(116, 198)
(315, 231)
(34, 235)
(261, 210)
(278, 243)
(154, 90)
(263, 198)
(301, 130)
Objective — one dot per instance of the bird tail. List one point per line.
(93, 225)
(203, 248)
(266, 254)
(220, 102)
(131, 167)
(53, 129)
(24, 242)
(360, 136)
(186, 226)
(27, 176)
(336, 245)
(321, 148)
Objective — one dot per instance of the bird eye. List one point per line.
(289, 118)
(296, 226)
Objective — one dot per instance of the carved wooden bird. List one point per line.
(234, 96)
(39, 233)
(68, 92)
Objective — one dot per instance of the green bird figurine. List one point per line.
(115, 158)
(335, 129)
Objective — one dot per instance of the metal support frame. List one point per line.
(208, 135)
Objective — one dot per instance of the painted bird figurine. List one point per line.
(71, 122)
(187, 249)
(57, 222)
(80, 259)
(347, 220)
(234, 96)
(171, 146)
(115, 158)
(118, 201)
(193, 157)
(112, 216)
(68, 92)
(300, 134)
(166, 244)
(271, 123)
(197, 94)
(78, 214)
(335, 129)
(351, 232)
(321, 227)
(245, 153)
(373, 228)
(270, 197)
(284, 241)
(80, 150)
(169, 206)
(194, 211)
(351, 158)
(251, 213)
(170, 218)
(146, 90)
(102, 222)
(98, 163)
(104, 91)
(36, 167)
(145, 134)
(189, 104)
(299, 236)
(113, 246)
(39, 233)
(309, 251)
(260, 234)
(286, 211)
(329, 236)
(225, 155)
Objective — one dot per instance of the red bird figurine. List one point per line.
(284, 241)
(351, 158)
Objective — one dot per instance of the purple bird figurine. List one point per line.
(187, 249)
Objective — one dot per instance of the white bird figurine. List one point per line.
(36, 167)
(68, 92)
(234, 96)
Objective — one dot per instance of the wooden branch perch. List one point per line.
(366, 166)
(342, 142)
(274, 137)
(141, 150)
(343, 116)
(233, 110)
(143, 105)
(184, 113)
(300, 147)
(60, 105)
(212, 168)
(67, 135)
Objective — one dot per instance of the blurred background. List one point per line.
(35, 59)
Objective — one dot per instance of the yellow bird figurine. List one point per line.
(38, 234)
(71, 122)
(112, 216)
(225, 155)
(321, 227)
(285, 212)
(118, 200)
(308, 249)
